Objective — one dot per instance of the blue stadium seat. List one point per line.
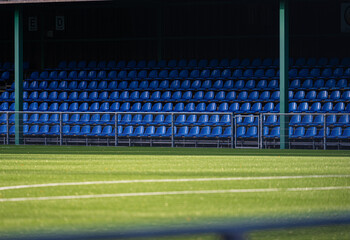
(125, 107)
(334, 96)
(268, 107)
(134, 96)
(176, 96)
(335, 133)
(180, 119)
(253, 96)
(143, 85)
(168, 107)
(211, 107)
(327, 107)
(187, 96)
(214, 120)
(182, 132)
(158, 120)
(63, 96)
(124, 96)
(147, 107)
(198, 96)
(156, 96)
(34, 118)
(245, 107)
(103, 96)
(104, 107)
(239, 85)
(185, 85)
(345, 96)
(112, 86)
(136, 107)
(125, 119)
(74, 119)
(295, 84)
(228, 85)
(190, 107)
(242, 96)
(298, 133)
(139, 131)
(273, 85)
(295, 120)
(195, 85)
(83, 107)
(107, 131)
(218, 84)
(315, 107)
(303, 107)
(331, 120)
(252, 132)
(179, 107)
(82, 85)
(256, 108)
(115, 107)
(33, 130)
(241, 131)
(223, 107)
(318, 120)
(123, 85)
(344, 120)
(160, 131)
(200, 107)
(321, 96)
(166, 96)
(191, 119)
(84, 119)
(204, 132)
(262, 85)
(133, 85)
(95, 119)
(147, 119)
(231, 96)
(270, 120)
(347, 109)
(307, 120)
(234, 107)
(227, 133)
(105, 119)
(73, 107)
(248, 120)
(311, 132)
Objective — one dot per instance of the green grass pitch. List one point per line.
(30, 165)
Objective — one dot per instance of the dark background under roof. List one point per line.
(174, 30)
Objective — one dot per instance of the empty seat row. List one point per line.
(185, 131)
(308, 120)
(240, 85)
(235, 107)
(225, 74)
(179, 96)
(153, 85)
(128, 131)
(156, 75)
(200, 64)
(311, 132)
(123, 119)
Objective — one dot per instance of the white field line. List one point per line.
(173, 193)
(170, 180)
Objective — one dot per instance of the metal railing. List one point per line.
(245, 130)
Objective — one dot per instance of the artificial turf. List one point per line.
(23, 165)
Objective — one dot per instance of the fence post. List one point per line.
(232, 132)
(235, 131)
(325, 132)
(116, 129)
(61, 128)
(172, 130)
(7, 128)
(260, 130)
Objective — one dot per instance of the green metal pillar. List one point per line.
(18, 27)
(284, 81)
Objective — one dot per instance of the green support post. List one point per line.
(284, 81)
(18, 29)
